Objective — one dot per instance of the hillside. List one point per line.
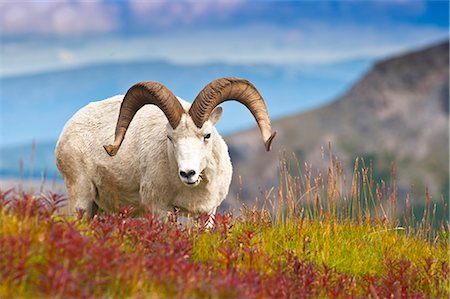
(398, 112)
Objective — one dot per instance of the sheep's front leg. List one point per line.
(82, 196)
(210, 222)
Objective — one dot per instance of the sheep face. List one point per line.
(191, 147)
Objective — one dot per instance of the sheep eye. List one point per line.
(168, 137)
(207, 136)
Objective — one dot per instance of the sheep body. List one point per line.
(143, 174)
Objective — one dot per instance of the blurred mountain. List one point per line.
(35, 160)
(397, 113)
(37, 106)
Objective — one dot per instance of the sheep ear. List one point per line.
(215, 115)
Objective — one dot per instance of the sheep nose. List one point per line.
(188, 174)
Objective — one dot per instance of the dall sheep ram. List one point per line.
(172, 156)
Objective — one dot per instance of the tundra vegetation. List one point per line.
(316, 234)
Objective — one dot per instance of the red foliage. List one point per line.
(117, 256)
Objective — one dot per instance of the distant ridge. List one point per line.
(397, 112)
(53, 97)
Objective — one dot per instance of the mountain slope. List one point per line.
(398, 112)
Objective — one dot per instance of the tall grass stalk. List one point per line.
(305, 192)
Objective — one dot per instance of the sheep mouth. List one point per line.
(194, 183)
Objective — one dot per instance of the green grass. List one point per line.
(347, 247)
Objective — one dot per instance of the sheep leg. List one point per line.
(210, 223)
(82, 196)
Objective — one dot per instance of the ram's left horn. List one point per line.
(241, 90)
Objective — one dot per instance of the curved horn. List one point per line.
(137, 96)
(241, 90)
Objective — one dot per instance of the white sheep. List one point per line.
(172, 156)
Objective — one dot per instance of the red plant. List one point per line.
(117, 256)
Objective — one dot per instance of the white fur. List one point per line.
(145, 173)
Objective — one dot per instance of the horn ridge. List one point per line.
(232, 88)
(137, 96)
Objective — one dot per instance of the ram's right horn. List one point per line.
(137, 96)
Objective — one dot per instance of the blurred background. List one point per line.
(369, 78)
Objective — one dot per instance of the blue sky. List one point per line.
(38, 36)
